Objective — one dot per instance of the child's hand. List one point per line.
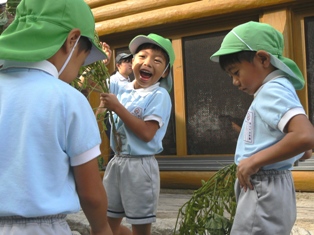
(109, 101)
(306, 155)
(107, 50)
(245, 169)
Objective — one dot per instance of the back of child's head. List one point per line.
(41, 27)
(159, 43)
(254, 36)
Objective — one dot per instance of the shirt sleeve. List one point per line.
(277, 104)
(159, 107)
(82, 136)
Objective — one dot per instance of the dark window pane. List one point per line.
(212, 102)
(309, 35)
(169, 141)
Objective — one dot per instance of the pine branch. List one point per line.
(211, 208)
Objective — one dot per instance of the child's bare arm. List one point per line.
(299, 138)
(92, 196)
(145, 130)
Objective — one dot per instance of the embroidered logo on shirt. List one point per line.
(249, 127)
(137, 112)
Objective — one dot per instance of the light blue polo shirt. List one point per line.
(274, 104)
(46, 126)
(117, 77)
(152, 103)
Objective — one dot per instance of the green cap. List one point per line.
(162, 42)
(255, 36)
(41, 27)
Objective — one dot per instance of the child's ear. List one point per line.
(263, 57)
(165, 74)
(71, 39)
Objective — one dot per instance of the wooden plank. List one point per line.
(303, 180)
(195, 10)
(131, 7)
(97, 3)
(179, 97)
(300, 51)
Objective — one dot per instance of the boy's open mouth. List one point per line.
(145, 74)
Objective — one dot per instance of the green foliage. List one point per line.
(100, 162)
(211, 208)
(7, 13)
(11, 6)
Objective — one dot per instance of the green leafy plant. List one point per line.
(7, 13)
(211, 208)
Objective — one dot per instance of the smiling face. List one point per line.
(148, 67)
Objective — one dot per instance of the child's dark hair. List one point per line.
(126, 60)
(153, 47)
(226, 60)
(84, 44)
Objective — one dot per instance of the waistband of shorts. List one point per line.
(14, 219)
(272, 172)
(132, 156)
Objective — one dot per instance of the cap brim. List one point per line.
(127, 56)
(139, 40)
(222, 51)
(95, 54)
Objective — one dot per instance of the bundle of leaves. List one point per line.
(211, 208)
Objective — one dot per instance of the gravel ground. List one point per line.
(305, 211)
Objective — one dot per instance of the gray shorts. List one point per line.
(132, 184)
(270, 208)
(48, 225)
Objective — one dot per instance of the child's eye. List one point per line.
(236, 73)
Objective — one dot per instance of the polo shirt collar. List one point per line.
(44, 65)
(273, 75)
(141, 91)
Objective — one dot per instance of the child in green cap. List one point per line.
(142, 110)
(275, 133)
(49, 136)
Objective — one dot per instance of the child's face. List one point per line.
(125, 67)
(148, 67)
(247, 76)
(72, 69)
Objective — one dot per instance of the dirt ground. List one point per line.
(305, 211)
